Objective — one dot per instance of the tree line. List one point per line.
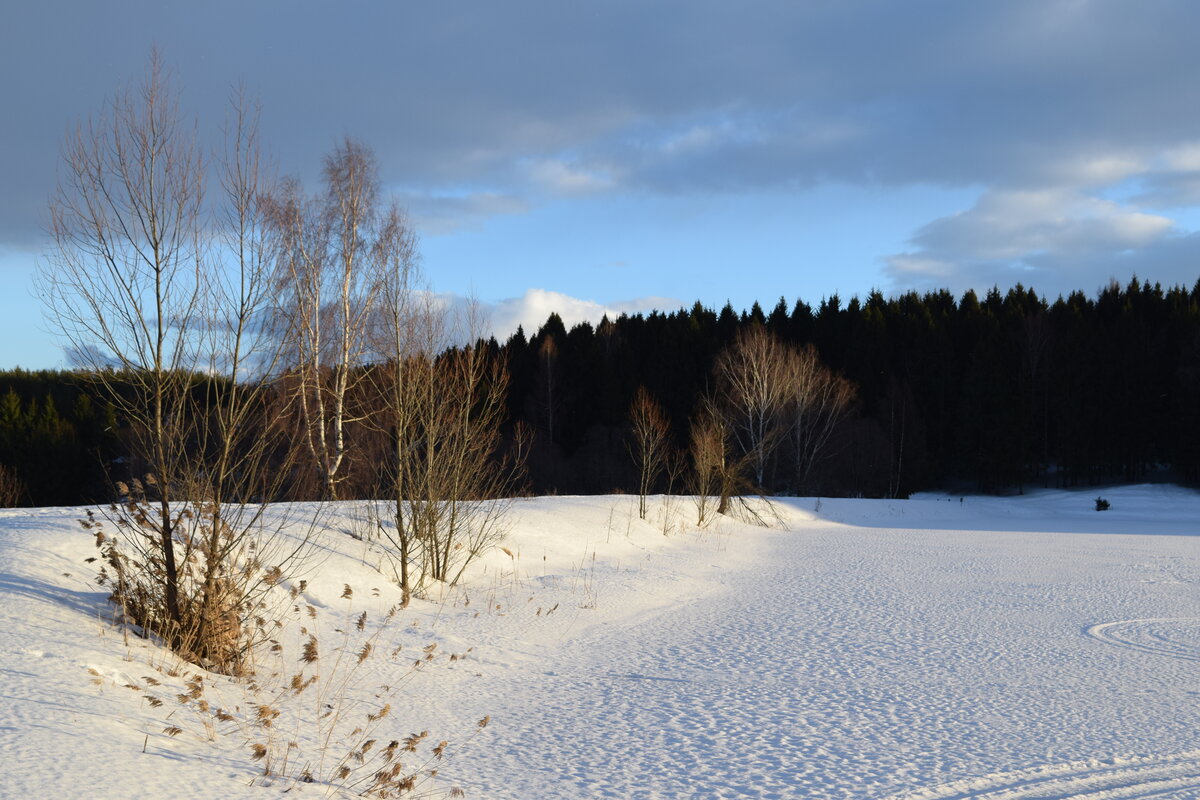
(992, 394)
(984, 394)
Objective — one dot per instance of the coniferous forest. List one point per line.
(995, 393)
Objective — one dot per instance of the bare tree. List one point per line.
(719, 475)
(447, 485)
(650, 443)
(456, 485)
(753, 380)
(818, 402)
(238, 438)
(163, 303)
(709, 449)
(123, 283)
(328, 244)
(404, 332)
(475, 491)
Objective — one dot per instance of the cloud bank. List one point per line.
(481, 110)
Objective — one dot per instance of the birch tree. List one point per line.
(753, 377)
(650, 442)
(818, 401)
(770, 393)
(330, 248)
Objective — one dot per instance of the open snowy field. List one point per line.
(928, 649)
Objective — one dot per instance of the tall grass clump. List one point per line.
(317, 711)
(229, 559)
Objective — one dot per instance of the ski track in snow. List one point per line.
(1177, 637)
(1174, 776)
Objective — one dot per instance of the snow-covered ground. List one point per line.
(927, 649)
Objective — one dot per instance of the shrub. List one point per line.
(228, 560)
(12, 488)
(1102, 504)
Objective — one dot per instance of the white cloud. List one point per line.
(908, 266)
(531, 309)
(1098, 170)
(1048, 238)
(1008, 224)
(562, 177)
(1185, 157)
(1175, 180)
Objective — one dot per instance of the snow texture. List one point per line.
(939, 648)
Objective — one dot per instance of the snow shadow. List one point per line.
(88, 603)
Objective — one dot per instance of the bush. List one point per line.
(214, 610)
(12, 489)
(1102, 504)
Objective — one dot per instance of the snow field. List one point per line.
(997, 648)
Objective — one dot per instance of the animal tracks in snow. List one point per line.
(1177, 637)
(1173, 777)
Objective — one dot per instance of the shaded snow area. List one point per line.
(928, 649)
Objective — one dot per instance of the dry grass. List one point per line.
(314, 712)
(219, 606)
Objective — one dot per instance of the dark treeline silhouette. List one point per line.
(55, 436)
(994, 393)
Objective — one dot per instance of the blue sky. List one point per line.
(625, 155)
